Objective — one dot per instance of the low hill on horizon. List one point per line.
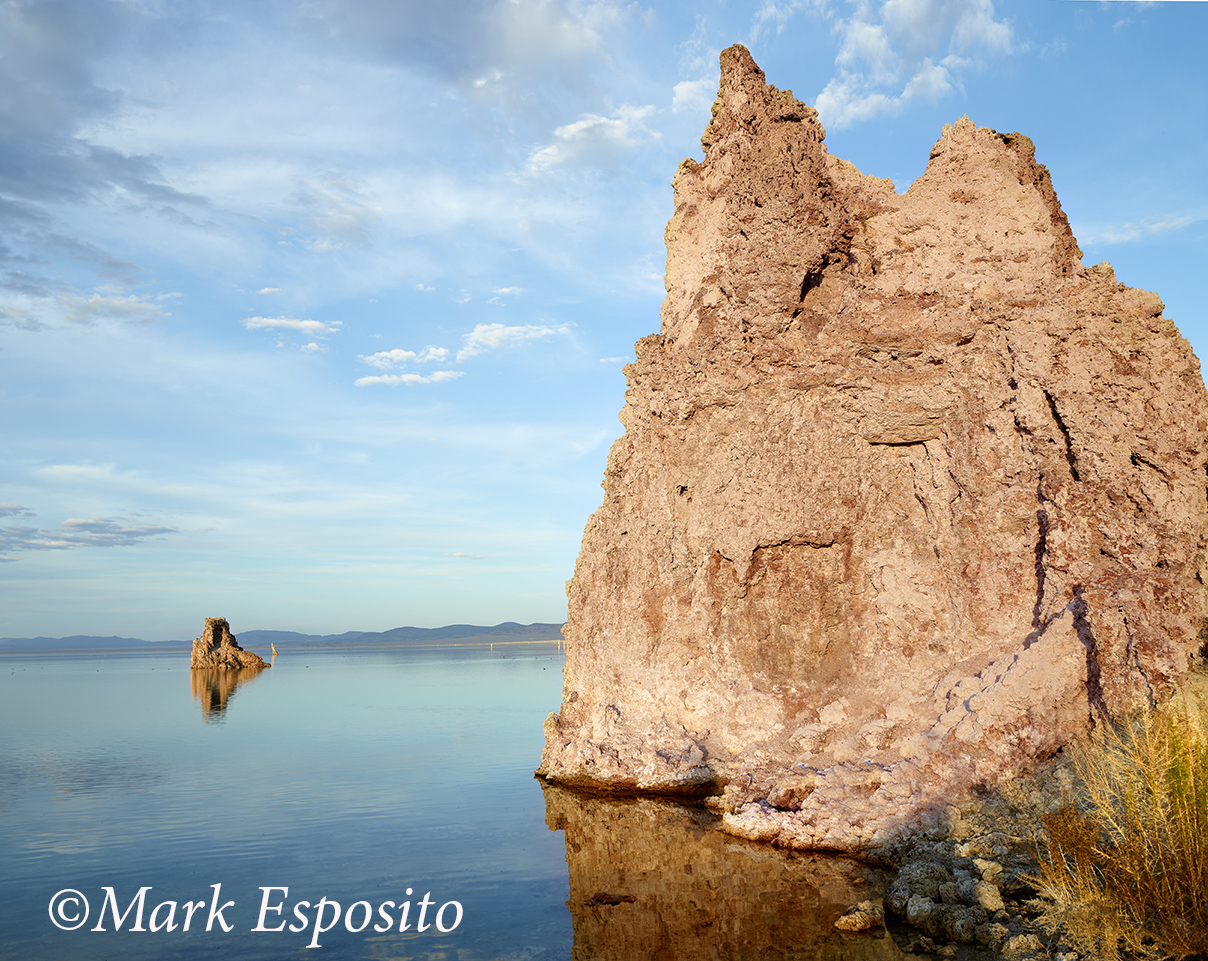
(417, 636)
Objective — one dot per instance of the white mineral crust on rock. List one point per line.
(907, 496)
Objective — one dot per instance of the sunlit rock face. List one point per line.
(650, 879)
(217, 649)
(907, 496)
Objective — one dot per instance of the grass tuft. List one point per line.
(1125, 859)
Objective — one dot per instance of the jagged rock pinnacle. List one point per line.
(907, 496)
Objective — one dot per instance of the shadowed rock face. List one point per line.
(651, 879)
(217, 649)
(907, 495)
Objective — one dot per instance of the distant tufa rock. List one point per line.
(907, 497)
(217, 649)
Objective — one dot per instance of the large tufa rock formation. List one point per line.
(217, 649)
(907, 495)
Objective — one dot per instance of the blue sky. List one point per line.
(313, 313)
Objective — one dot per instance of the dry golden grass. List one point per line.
(1126, 858)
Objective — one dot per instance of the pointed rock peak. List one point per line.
(967, 155)
(745, 100)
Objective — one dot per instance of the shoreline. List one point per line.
(351, 645)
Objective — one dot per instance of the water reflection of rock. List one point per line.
(215, 688)
(700, 894)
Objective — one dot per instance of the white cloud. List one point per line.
(976, 27)
(269, 290)
(931, 82)
(393, 380)
(693, 95)
(869, 44)
(594, 139)
(486, 337)
(387, 359)
(844, 102)
(315, 328)
(614, 360)
(906, 50)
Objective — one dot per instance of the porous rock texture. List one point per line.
(217, 649)
(907, 497)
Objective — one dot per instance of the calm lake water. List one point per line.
(353, 776)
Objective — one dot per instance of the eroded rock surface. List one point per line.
(217, 649)
(907, 496)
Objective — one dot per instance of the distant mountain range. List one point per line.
(410, 636)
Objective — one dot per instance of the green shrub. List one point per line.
(1126, 858)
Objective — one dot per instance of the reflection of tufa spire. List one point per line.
(214, 688)
(653, 879)
(216, 648)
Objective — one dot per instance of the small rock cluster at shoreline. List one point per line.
(967, 889)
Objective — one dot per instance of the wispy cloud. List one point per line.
(64, 308)
(15, 510)
(51, 166)
(901, 51)
(78, 532)
(393, 380)
(501, 293)
(594, 138)
(479, 44)
(314, 328)
(778, 14)
(1126, 233)
(486, 337)
(340, 214)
